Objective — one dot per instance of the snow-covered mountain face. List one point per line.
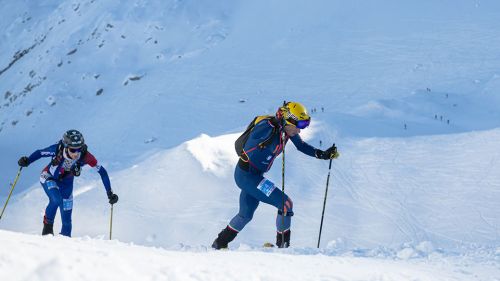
(410, 93)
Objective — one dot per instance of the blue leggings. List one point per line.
(60, 196)
(254, 189)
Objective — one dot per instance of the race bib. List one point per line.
(68, 204)
(266, 186)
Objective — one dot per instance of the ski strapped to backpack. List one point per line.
(239, 144)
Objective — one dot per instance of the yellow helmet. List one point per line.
(295, 114)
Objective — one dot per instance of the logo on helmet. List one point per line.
(73, 139)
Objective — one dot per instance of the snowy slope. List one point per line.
(172, 70)
(161, 89)
(90, 259)
(384, 193)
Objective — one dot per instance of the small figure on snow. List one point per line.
(68, 155)
(264, 142)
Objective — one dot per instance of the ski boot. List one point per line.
(225, 236)
(279, 239)
(48, 228)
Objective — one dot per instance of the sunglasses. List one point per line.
(74, 150)
(301, 124)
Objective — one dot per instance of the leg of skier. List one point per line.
(55, 200)
(66, 209)
(262, 189)
(248, 205)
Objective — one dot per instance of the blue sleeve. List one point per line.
(302, 146)
(105, 178)
(46, 152)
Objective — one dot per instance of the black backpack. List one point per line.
(239, 144)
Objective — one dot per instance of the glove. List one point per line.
(76, 169)
(330, 153)
(23, 161)
(113, 198)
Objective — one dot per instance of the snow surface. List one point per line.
(60, 258)
(161, 89)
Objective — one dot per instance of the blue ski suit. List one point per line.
(57, 182)
(249, 175)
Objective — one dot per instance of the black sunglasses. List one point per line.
(74, 150)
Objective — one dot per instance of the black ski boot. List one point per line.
(48, 228)
(225, 236)
(279, 242)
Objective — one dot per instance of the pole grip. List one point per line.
(330, 166)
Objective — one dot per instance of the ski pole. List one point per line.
(11, 189)
(111, 223)
(324, 201)
(283, 191)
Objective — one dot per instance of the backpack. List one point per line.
(239, 144)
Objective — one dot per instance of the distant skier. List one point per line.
(68, 155)
(263, 144)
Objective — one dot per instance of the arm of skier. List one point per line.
(92, 162)
(302, 146)
(45, 152)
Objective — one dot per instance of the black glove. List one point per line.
(330, 153)
(76, 169)
(113, 198)
(24, 161)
